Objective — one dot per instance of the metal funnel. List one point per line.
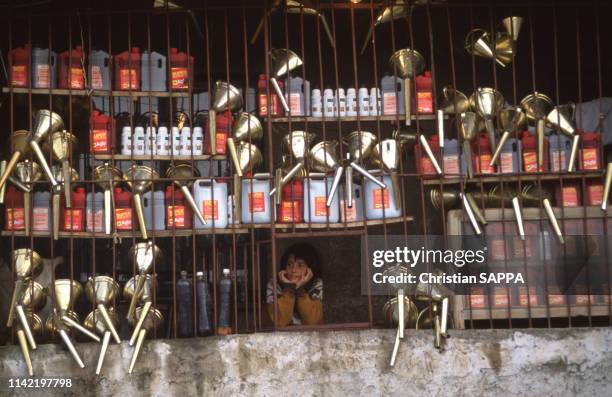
(107, 177)
(478, 42)
(513, 26)
(247, 128)
(405, 138)
(360, 147)
(563, 117)
(449, 197)
(61, 143)
(55, 325)
(510, 119)
(33, 296)
(183, 175)
(34, 326)
(407, 63)
(388, 153)
(453, 101)
(65, 292)
(249, 157)
(487, 102)
(153, 319)
(27, 172)
(144, 254)
(45, 124)
(149, 283)
(97, 322)
(537, 106)
(324, 158)
(396, 11)
(19, 142)
(470, 124)
(504, 47)
(102, 290)
(225, 97)
(283, 61)
(297, 144)
(140, 179)
(58, 173)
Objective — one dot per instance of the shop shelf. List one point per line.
(309, 119)
(513, 178)
(58, 91)
(148, 157)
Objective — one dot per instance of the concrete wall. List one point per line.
(536, 362)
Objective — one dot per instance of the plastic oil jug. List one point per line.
(71, 72)
(275, 107)
(19, 66)
(73, 219)
(317, 103)
(197, 140)
(13, 204)
(211, 198)
(101, 136)
(153, 71)
(379, 201)
(424, 95)
(127, 70)
(355, 212)
(316, 190)
(181, 70)
(162, 141)
(99, 70)
(44, 68)
(124, 215)
(41, 212)
(224, 127)
(375, 102)
(392, 88)
(481, 155)
(138, 141)
(298, 96)
(94, 213)
(255, 200)
(153, 207)
(328, 102)
(179, 214)
(186, 147)
(351, 102)
(292, 205)
(126, 140)
(510, 157)
(424, 165)
(560, 147)
(364, 102)
(530, 153)
(451, 159)
(589, 154)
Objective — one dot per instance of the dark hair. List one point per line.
(306, 252)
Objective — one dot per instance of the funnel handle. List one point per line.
(141, 319)
(348, 187)
(366, 174)
(105, 341)
(27, 215)
(553, 220)
(3, 187)
(327, 30)
(26, 327)
(407, 99)
(571, 166)
(367, 39)
(470, 214)
(278, 185)
(56, 215)
(140, 215)
(296, 168)
(475, 209)
(237, 198)
(396, 346)
(73, 324)
(70, 346)
(140, 282)
(279, 92)
(25, 351)
(107, 211)
(141, 337)
(430, 154)
(396, 188)
(10, 166)
(231, 145)
(540, 134)
(43, 161)
(192, 203)
(400, 312)
(467, 154)
(490, 127)
(519, 217)
(440, 118)
(19, 184)
(17, 291)
(334, 187)
(109, 323)
(444, 319)
(212, 130)
(607, 183)
(67, 174)
(498, 149)
(438, 338)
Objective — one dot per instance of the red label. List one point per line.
(179, 78)
(43, 78)
(97, 83)
(530, 161)
(221, 143)
(584, 299)
(94, 220)
(40, 219)
(100, 141)
(176, 216)
(477, 299)
(380, 198)
(210, 209)
(128, 79)
(533, 297)
(595, 194)
(123, 218)
(482, 164)
(73, 219)
(19, 76)
(350, 213)
(263, 105)
(451, 164)
(76, 78)
(589, 159)
(427, 166)
(570, 196)
(290, 211)
(257, 202)
(389, 103)
(556, 298)
(424, 102)
(320, 206)
(500, 297)
(15, 219)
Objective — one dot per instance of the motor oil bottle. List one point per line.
(94, 217)
(19, 66)
(275, 106)
(424, 94)
(317, 103)
(560, 147)
(44, 68)
(530, 153)
(292, 202)
(184, 298)
(224, 127)
(351, 102)
(203, 305)
(392, 88)
(211, 198)
(124, 215)
(153, 71)
(375, 102)
(328, 102)
(71, 72)
(481, 155)
(255, 200)
(298, 96)
(154, 210)
(178, 214)
(73, 219)
(424, 165)
(14, 209)
(101, 136)
(99, 70)
(181, 70)
(41, 212)
(127, 70)
(225, 303)
(589, 154)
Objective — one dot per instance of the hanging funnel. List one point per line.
(27, 263)
(225, 97)
(45, 124)
(283, 62)
(406, 64)
(183, 175)
(98, 323)
(360, 144)
(107, 177)
(27, 172)
(504, 47)
(537, 106)
(140, 179)
(510, 120)
(145, 255)
(154, 319)
(247, 128)
(61, 143)
(563, 117)
(19, 142)
(487, 102)
(396, 11)
(453, 101)
(324, 158)
(470, 124)
(103, 290)
(298, 144)
(478, 42)
(513, 26)
(387, 153)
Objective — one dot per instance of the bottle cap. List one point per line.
(226, 272)
(183, 274)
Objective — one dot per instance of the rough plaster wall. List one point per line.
(536, 362)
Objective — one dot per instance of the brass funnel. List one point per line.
(360, 144)
(55, 326)
(107, 177)
(27, 264)
(396, 11)
(537, 106)
(487, 102)
(404, 137)
(27, 172)
(225, 97)
(35, 327)
(427, 321)
(450, 198)
(58, 173)
(387, 153)
(149, 284)
(478, 42)
(283, 61)
(249, 157)
(65, 293)
(390, 312)
(62, 143)
(513, 26)
(504, 47)
(298, 144)
(324, 158)
(153, 320)
(183, 175)
(140, 179)
(145, 255)
(246, 129)
(102, 290)
(19, 141)
(563, 117)
(97, 322)
(453, 101)
(33, 296)
(45, 124)
(406, 64)
(470, 124)
(510, 120)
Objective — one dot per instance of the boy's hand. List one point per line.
(305, 279)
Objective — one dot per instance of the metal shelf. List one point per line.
(310, 119)
(535, 312)
(497, 178)
(336, 225)
(148, 157)
(59, 91)
(135, 234)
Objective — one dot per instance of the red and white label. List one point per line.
(100, 141)
(263, 105)
(94, 220)
(19, 76)
(290, 211)
(295, 104)
(530, 162)
(123, 218)
(43, 77)
(570, 196)
(179, 78)
(589, 159)
(350, 213)
(128, 79)
(427, 166)
(76, 78)
(530, 297)
(321, 206)
(482, 164)
(97, 83)
(210, 209)
(558, 160)
(257, 202)
(176, 216)
(451, 165)
(389, 103)
(506, 163)
(73, 220)
(40, 218)
(380, 199)
(595, 194)
(15, 219)
(424, 102)
(500, 297)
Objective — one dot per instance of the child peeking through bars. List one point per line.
(299, 289)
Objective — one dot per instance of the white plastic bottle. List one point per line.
(150, 141)
(175, 141)
(351, 102)
(375, 102)
(197, 140)
(162, 141)
(364, 102)
(316, 103)
(328, 102)
(341, 100)
(126, 140)
(185, 150)
(139, 141)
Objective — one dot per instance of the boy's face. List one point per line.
(296, 268)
